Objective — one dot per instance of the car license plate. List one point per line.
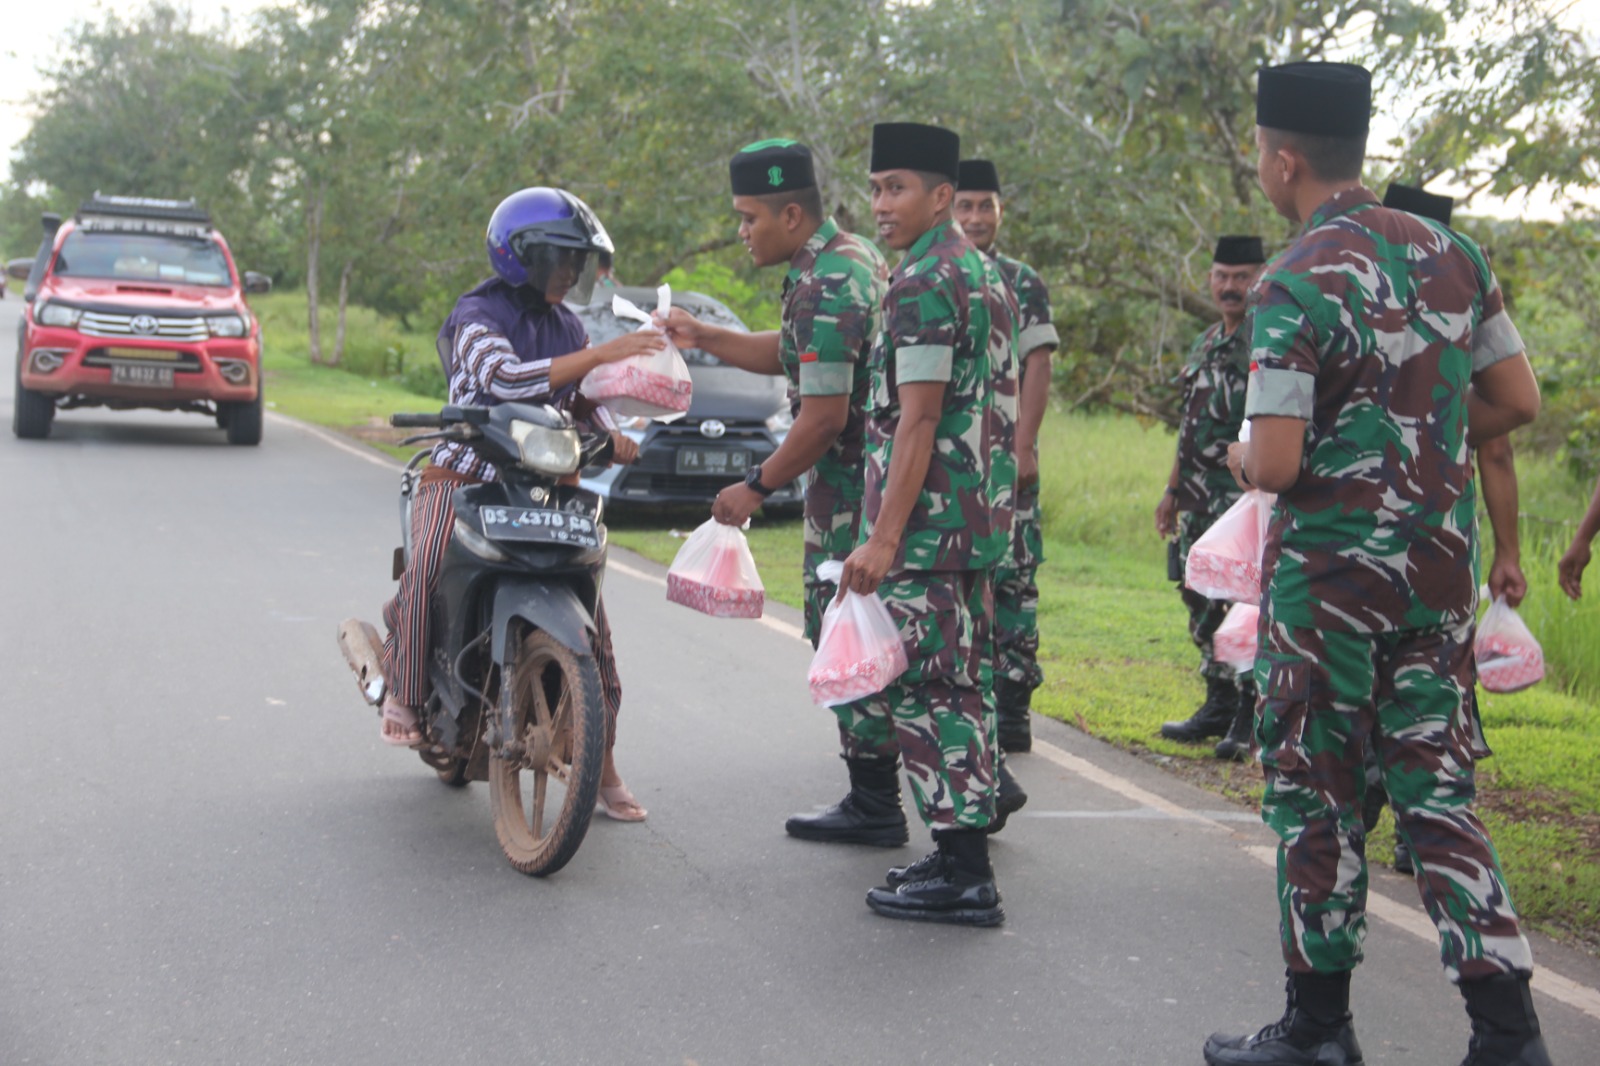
(729, 462)
(540, 525)
(153, 377)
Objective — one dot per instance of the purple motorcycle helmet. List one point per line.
(541, 236)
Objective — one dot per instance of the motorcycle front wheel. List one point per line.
(557, 731)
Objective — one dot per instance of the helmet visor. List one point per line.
(559, 273)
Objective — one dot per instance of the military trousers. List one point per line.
(936, 715)
(1205, 615)
(1325, 695)
(1016, 598)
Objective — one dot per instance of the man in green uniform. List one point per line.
(936, 517)
(1381, 350)
(832, 297)
(979, 210)
(1200, 487)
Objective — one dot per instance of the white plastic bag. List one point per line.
(715, 573)
(859, 651)
(644, 386)
(1225, 563)
(1509, 659)
(1234, 642)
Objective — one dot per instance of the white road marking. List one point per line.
(359, 451)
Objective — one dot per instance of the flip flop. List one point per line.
(406, 718)
(618, 804)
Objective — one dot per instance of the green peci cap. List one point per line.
(771, 166)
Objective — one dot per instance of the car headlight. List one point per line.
(53, 314)
(549, 451)
(227, 325)
(781, 422)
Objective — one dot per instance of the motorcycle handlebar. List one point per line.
(415, 421)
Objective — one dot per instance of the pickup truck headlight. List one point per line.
(549, 451)
(53, 314)
(227, 325)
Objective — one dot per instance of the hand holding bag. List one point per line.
(715, 573)
(1509, 659)
(642, 386)
(859, 651)
(1225, 563)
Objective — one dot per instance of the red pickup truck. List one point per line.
(136, 303)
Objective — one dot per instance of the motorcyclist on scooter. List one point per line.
(509, 338)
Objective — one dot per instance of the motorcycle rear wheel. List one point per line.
(558, 720)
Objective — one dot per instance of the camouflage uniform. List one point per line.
(1214, 380)
(946, 319)
(1016, 592)
(1369, 603)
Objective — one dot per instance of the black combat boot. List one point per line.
(1315, 1029)
(1505, 1030)
(1009, 797)
(1236, 745)
(1403, 862)
(1011, 700)
(1212, 719)
(869, 814)
(958, 888)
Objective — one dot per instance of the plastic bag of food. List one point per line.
(1234, 642)
(715, 573)
(859, 651)
(1509, 659)
(643, 386)
(1225, 563)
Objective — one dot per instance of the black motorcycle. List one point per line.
(517, 697)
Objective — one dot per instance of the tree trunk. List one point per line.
(344, 301)
(314, 200)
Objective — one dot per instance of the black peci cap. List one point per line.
(1238, 251)
(978, 175)
(771, 166)
(914, 146)
(1413, 200)
(1322, 99)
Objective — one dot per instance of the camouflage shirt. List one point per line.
(832, 297)
(1034, 326)
(947, 318)
(1214, 380)
(1370, 328)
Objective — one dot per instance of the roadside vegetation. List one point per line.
(1117, 657)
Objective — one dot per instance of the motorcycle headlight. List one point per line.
(52, 314)
(227, 325)
(549, 451)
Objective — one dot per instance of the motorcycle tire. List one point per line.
(558, 729)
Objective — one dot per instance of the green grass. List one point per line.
(1114, 646)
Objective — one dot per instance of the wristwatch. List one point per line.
(752, 480)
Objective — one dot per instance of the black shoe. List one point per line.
(1315, 1029)
(961, 891)
(927, 866)
(1012, 701)
(1008, 799)
(1213, 717)
(1403, 863)
(869, 814)
(1505, 1029)
(1236, 745)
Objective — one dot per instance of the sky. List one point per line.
(32, 30)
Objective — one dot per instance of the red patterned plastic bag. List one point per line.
(645, 386)
(715, 574)
(1225, 563)
(1509, 659)
(859, 651)
(1234, 642)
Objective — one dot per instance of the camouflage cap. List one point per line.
(770, 166)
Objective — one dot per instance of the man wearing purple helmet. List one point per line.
(509, 339)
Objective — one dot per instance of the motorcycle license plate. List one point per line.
(540, 525)
(150, 377)
(726, 462)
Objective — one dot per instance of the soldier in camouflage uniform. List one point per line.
(934, 521)
(1381, 349)
(1200, 487)
(979, 210)
(832, 296)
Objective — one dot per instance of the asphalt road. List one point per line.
(207, 857)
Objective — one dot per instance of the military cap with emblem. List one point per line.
(771, 166)
(1321, 99)
(914, 146)
(1417, 201)
(978, 175)
(1238, 251)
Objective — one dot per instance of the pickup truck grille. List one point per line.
(101, 324)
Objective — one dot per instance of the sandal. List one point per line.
(618, 804)
(406, 718)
